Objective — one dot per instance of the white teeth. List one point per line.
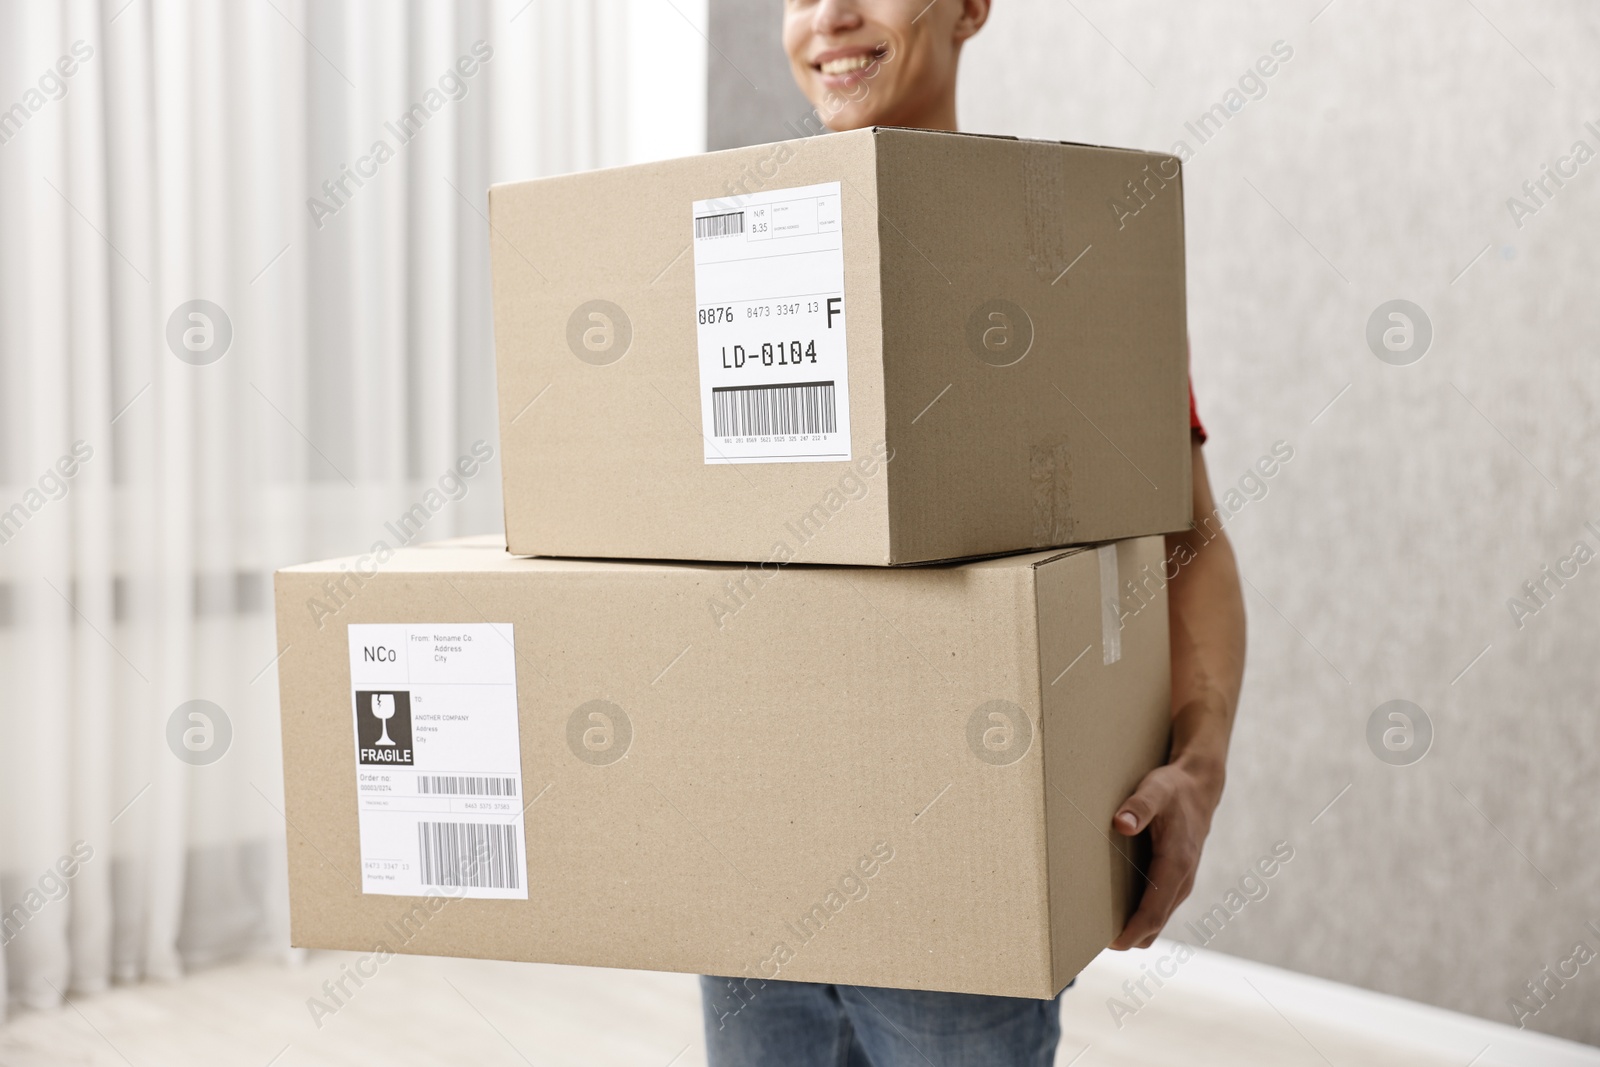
(845, 66)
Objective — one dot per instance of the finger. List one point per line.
(1161, 925)
(1148, 800)
(1169, 876)
(1184, 890)
(1146, 924)
(1149, 919)
(1159, 899)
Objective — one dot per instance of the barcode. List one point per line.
(467, 786)
(482, 855)
(719, 225)
(767, 410)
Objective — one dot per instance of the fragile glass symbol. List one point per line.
(383, 711)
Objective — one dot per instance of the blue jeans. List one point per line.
(751, 1023)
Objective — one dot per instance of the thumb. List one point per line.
(1147, 802)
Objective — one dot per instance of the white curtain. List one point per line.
(154, 153)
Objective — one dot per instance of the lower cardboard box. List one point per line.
(883, 777)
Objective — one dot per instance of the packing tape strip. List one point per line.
(1110, 606)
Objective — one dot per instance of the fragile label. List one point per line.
(438, 760)
(769, 292)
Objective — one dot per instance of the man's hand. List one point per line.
(1176, 801)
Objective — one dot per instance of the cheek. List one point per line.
(911, 73)
(873, 93)
(794, 37)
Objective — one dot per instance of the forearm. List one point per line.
(1175, 801)
(1207, 625)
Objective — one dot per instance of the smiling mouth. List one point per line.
(850, 64)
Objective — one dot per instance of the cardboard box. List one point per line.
(885, 776)
(712, 358)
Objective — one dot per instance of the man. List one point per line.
(893, 63)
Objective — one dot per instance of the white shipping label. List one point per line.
(769, 289)
(438, 760)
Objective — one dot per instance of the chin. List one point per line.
(846, 120)
(849, 117)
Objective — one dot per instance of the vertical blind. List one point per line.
(244, 322)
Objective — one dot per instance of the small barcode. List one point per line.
(771, 410)
(719, 225)
(467, 785)
(480, 855)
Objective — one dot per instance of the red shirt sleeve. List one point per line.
(1195, 427)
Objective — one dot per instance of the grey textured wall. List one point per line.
(1376, 165)
(751, 97)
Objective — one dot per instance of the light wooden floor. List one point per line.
(1217, 1012)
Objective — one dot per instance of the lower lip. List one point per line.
(850, 78)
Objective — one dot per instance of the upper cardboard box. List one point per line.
(878, 347)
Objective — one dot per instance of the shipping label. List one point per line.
(769, 290)
(438, 760)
